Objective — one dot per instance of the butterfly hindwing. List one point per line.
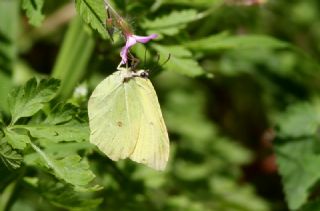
(152, 147)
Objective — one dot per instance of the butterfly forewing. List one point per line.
(108, 115)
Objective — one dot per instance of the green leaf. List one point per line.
(64, 196)
(33, 10)
(9, 157)
(299, 120)
(298, 162)
(58, 133)
(60, 125)
(172, 23)
(16, 140)
(61, 113)
(181, 60)
(224, 42)
(93, 12)
(27, 100)
(298, 157)
(71, 169)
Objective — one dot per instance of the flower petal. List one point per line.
(124, 51)
(132, 40)
(144, 39)
(123, 54)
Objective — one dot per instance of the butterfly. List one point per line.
(125, 119)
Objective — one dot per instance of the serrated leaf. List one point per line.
(33, 10)
(225, 42)
(60, 114)
(15, 139)
(9, 157)
(298, 120)
(93, 13)
(71, 169)
(26, 100)
(64, 196)
(172, 23)
(298, 164)
(298, 157)
(181, 60)
(74, 170)
(58, 133)
(60, 125)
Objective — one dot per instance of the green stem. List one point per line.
(6, 196)
(9, 194)
(73, 57)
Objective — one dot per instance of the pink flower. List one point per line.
(131, 41)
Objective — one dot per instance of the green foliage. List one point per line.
(182, 60)
(10, 157)
(49, 128)
(224, 41)
(170, 24)
(240, 79)
(93, 13)
(73, 57)
(212, 160)
(71, 169)
(33, 10)
(63, 196)
(28, 100)
(298, 152)
(9, 29)
(9, 13)
(16, 140)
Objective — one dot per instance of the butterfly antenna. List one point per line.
(163, 63)
(166, 61)
(145, 58)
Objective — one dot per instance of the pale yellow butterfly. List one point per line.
(126, 121)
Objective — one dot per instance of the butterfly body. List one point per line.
(128, 74)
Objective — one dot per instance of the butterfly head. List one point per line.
(141, 74)
(128, 74)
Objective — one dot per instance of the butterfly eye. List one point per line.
(144, 74)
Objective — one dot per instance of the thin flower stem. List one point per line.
(108, 6)
(120, 22)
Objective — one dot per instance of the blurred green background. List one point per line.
(243, 75)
